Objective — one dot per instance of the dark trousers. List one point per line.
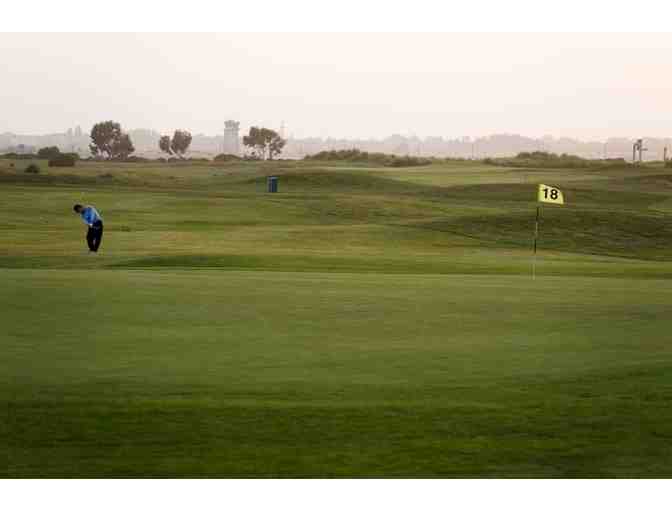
(94, 236)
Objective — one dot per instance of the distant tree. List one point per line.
(253, 140)
(104, 136)
(275, 144)
(181, 142)
(63, 160)
(264, 143)
(123, 147)
(164, 144)
(109, 141)
(48, 152)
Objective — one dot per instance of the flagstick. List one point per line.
(536, 236)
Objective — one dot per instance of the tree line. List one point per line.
(110, 142)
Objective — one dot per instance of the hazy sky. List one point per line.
(588, 86)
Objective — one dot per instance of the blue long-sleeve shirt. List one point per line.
(90, 215)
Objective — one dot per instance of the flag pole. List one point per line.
(536, 236)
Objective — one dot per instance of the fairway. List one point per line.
(363, 322)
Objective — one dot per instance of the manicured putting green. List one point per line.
(204, 373)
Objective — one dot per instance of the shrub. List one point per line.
(227, 157)
(14, 155)
(32, 169)
(539, 159)
(49, 153)
(357, 156)
(62, 160)
(537, 155)
(405, 161)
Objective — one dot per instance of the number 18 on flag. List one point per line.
(550, 195)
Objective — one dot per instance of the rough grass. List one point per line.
(572, 230)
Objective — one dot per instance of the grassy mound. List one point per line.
(337, 181)
(611, 233)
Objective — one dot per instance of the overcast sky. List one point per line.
(342, 85)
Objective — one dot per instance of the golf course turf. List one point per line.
(362, 322)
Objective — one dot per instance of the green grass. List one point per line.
(362, 322)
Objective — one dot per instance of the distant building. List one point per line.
(231, 138)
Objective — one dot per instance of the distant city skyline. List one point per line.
(358, 86)
(229, 141)
(85, 130)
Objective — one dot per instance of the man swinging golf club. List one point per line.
(95, 222)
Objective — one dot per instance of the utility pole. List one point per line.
(638, 149)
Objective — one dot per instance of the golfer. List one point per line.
(95, 222)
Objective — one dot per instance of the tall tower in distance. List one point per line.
(231, 138)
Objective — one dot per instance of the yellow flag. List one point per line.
(550, 195)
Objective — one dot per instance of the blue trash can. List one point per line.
(272, 184)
